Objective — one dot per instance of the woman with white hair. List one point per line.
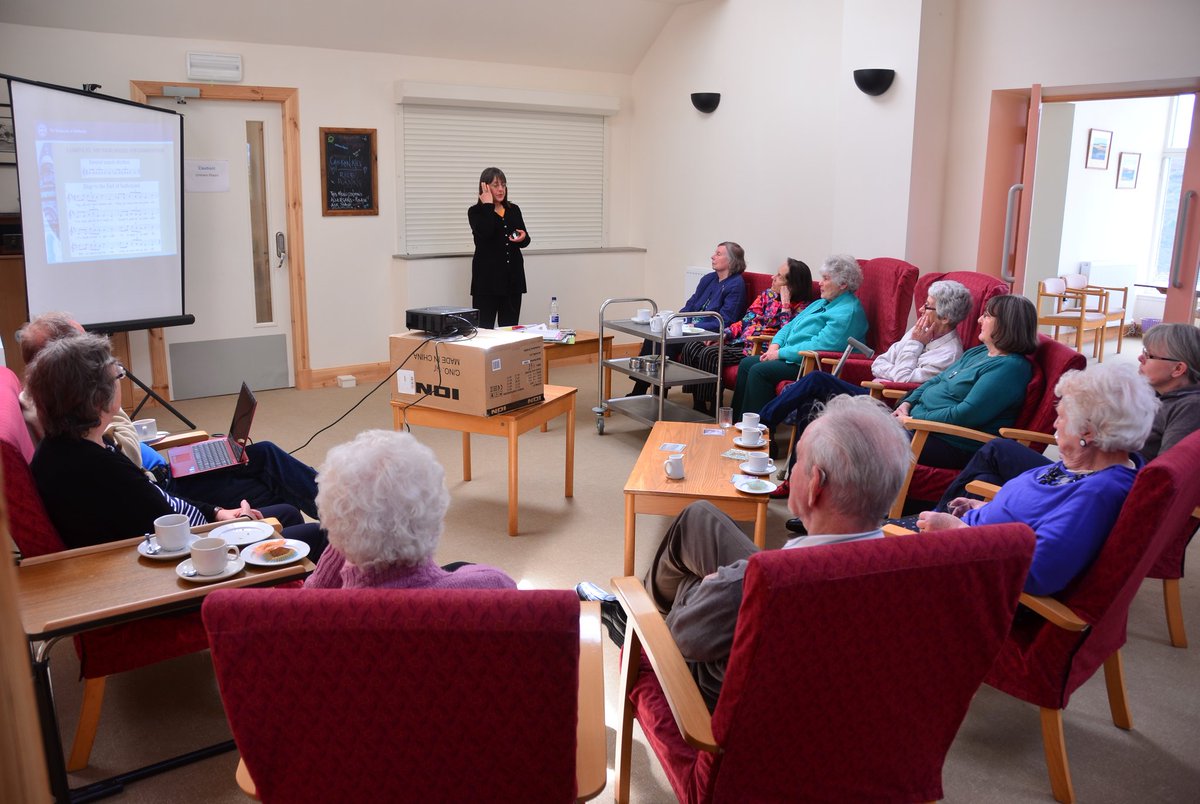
(1104, 416)
(824, 325)
(383, 499)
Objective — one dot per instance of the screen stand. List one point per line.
(151, 393)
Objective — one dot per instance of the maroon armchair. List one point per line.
(411, 695)
(1051, 653)
(1050, 361)
(982, 288)
(830, 693)
(1169, 567)
(104, 651)
(755, 284)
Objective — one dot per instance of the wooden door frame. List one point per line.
(288, 99)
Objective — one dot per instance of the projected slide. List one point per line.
(101, 204)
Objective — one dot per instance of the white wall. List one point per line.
(352, 279)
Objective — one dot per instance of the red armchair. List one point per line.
(411, 695)
(826, 669)
(104, 651)
(1050, 361)
(1169, 567)
(755, 284)
(1051, 654)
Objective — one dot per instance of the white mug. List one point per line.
(675, 328)
(146, 429)
(210, 554)
(752, 437)
(673, 466)
(643, 315)
(749, 421)
(172, 531)
(759, 461)
(656, 324)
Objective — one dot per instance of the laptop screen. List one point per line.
(243, 415)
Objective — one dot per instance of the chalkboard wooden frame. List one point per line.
(348, 162)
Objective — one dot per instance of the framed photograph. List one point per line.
(349, 185)
(1099, 145)
(8, 137)
(1127, 170)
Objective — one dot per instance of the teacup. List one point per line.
(750, 421)
(752, 437)
(172, 531)
(675, 327)
(759, 461)
(673, 466)
(210, 554)
(643, 315)
(146, 429)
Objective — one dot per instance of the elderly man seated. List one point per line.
(850, 464)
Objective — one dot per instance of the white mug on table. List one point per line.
(752, 436)
(643, 315)
(172, 531)
(673, 466)
(749, 421)
(759, 461)
(210, 554)
(146, 429)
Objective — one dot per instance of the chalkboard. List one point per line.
(349, 184)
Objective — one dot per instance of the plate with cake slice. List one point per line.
(275, 552)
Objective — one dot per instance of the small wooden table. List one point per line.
(586, 344)
(649, 491)
(560, 399)
(72, 591)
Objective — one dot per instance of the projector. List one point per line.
(442, 320)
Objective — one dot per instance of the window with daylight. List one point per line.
(1179, 124)
(555, 164)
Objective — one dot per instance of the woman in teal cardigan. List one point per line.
(823, 325)
(985, 389)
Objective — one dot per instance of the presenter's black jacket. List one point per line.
(498, 268)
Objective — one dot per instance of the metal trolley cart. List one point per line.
(654, 369)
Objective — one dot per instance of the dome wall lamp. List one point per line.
(874, 81)
(706, 102)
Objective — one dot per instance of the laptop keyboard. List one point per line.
(211, 454)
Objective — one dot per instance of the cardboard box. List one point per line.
(493, 372)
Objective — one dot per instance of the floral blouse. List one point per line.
(766, 312)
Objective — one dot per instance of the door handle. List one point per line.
(1009, 246)
(280, 248)
(1185, 204)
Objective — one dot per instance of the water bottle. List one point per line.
(553, 312)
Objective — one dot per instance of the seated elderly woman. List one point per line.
(383, 498)
(789, 293)
(91, 490)
(1170, 362)
(723, 291)
(824, 325)
(1104, 416)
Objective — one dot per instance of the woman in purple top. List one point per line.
(382, 498)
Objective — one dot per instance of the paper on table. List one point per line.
(670, 447)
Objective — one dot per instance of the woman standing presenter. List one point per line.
(497, 269)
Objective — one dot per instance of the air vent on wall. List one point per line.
(214, 66)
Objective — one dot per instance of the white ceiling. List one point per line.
(602, 35)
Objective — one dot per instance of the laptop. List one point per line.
(217, 453)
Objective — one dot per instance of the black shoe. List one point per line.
(639, 388)
(611, 613)
(797, 526)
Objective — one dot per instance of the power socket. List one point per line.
(1085, 267)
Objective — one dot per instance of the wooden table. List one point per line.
(72, 591)
(649, 491)
(586, 344)
(560, 399)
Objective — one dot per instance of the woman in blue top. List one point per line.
(985, 389)
(822, 325)
(1104, 416)
(723, 291)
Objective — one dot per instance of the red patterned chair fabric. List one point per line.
(400, 695)
(886, 295)
(106, 650)
(827, 671)
(1050, 361)
(1043, 664)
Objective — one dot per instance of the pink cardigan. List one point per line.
(334, 572)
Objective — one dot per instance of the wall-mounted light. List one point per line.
(706, 102)
(874, 81)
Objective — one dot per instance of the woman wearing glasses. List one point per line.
(1104, 417)
(1170, 362)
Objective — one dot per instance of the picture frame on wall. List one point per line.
(1128, 165)
(8, 136)
(1098, 148)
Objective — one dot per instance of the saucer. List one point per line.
(755, 486)
(155, 437)
(232, 567)
(243, 532)
(738, 440)
(745, 467)
(640, 320)
(762, 428)
(690, 330)
(257, 556)
(162, 555)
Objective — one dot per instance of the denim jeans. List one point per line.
(270, 476)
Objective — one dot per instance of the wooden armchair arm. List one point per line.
(648, 631)
(1026, 437)
(1054, 612)
(591, 741)
(987, 491)
(757, 343)
(178, 439)
(941, 428)
(895, 530)
(809, 361)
